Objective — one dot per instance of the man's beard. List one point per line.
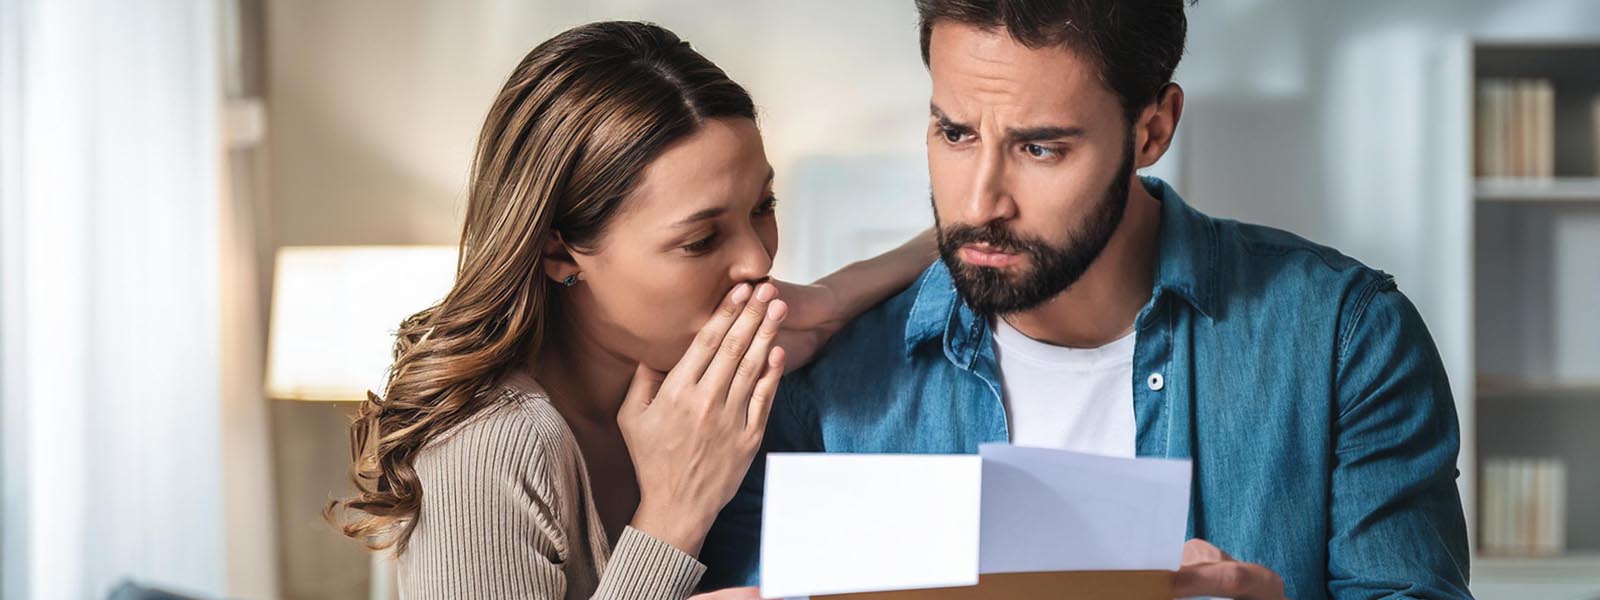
(991, 291)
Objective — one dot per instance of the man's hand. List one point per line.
(1208, 571)
(815, 313)
(742, 593)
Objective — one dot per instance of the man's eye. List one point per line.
(953, 136)
(1038, 151)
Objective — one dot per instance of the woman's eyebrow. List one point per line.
(716, 211)
(701, 215)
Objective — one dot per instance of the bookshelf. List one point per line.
(1536, 269)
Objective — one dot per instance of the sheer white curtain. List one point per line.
(110, 171)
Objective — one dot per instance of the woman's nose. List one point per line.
(752, 262)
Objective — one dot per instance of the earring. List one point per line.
(571, 280)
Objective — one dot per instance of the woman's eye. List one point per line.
(766, 207)
(701, 245)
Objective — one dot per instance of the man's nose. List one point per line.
(988, 195)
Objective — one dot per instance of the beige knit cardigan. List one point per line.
(508, 512)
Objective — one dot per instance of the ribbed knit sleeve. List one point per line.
(645, 567)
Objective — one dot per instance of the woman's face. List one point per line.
(700, 221)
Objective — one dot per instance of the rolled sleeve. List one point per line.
(1397, 525)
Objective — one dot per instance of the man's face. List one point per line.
(1030, 158)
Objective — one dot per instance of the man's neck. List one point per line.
(1103, 304)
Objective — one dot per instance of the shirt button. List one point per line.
(1155, 382)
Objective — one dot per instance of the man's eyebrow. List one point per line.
(1019, 134)
(944, 120)
(1044, 132)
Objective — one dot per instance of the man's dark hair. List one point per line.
(1135, 44)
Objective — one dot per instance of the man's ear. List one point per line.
(558, 261)
(1156, 126)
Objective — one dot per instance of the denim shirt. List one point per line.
(1303, 386)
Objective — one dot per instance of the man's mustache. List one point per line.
(993, 235)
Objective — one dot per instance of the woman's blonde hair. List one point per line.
(562, 147)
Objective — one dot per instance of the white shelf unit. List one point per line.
(1560, 189)
(1570, 577)
(1536, 271)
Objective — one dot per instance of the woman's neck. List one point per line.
(585, 380)
(587, 384)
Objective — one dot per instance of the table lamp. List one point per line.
(335, 310)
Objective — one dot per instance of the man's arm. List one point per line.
(732, 549)
(1397, 529)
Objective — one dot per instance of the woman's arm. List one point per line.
(488, 526)
(819, 310)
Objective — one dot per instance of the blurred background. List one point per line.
(168, 419)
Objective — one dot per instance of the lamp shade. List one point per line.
(335, 310)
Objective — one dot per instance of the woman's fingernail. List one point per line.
(777, 310)
(766, 292)
(741, 292)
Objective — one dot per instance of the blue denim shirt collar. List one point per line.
(1184, 267)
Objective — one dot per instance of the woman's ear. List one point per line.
(559, 265)
(1158, 123)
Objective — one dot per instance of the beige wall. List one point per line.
(374, 104)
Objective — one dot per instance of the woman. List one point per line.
(569, 420)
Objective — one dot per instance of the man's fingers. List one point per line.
(709, 340)
(1228, 579)
(1197, 551)
(743, 593)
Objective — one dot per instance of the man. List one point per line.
(1080, 306)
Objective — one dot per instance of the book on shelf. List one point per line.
(1515, 128)
(1524, 509)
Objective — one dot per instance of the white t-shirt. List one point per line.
(1077, 399)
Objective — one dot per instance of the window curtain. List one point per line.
(127, 435)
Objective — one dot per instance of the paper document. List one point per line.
(844, 523)
(1052, 510)
(836, 523)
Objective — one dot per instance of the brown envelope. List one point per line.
(1057, 585)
